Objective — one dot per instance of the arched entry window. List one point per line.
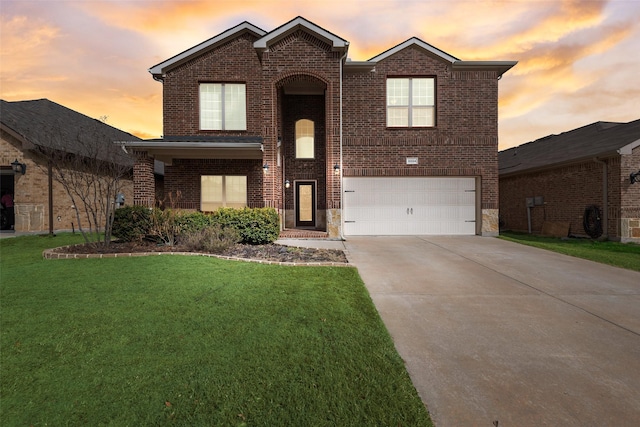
(305, 139)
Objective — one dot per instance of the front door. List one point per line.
(305, 203)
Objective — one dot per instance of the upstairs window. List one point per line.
(411, 102)
(305, 139)
(223, 106)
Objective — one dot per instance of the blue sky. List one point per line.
(578, 59)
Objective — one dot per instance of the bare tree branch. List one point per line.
(92, 170)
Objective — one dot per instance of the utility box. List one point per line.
(538, 200)
(530, 202)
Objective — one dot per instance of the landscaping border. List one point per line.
(52, 254)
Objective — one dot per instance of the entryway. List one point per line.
(305, 203)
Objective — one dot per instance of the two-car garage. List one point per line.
(409, 206)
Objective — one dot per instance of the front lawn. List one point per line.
(178, 340)
(625, 255)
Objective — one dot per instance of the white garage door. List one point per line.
(409, 206)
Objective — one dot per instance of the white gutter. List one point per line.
(341, 170)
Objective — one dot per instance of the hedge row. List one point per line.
(256, 226)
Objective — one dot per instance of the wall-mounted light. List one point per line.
(265, 168)
(634, 177)
(18, 167)
(287, 184)
(336, 169)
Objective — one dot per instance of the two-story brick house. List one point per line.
(404, 143)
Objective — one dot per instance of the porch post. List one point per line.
(144, 187)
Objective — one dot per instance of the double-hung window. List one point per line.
(223, 191)
(223, 106)
(411, 102)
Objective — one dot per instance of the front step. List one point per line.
(303, 234)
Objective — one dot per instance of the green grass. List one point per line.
(625, 255)
(190, 341)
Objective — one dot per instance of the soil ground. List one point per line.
(270, 252)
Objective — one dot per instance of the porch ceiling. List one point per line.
(166, 151)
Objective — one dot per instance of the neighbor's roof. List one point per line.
(600, 139)
(46, 124)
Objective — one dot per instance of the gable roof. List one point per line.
(43, 123)
(414, 41)
(500, 67)
(160, 69)
(598, 139)
(336, 43)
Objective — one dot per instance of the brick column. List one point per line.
(144, 187)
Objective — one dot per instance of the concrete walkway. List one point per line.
(496, 331)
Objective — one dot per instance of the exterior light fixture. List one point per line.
(18, 167)
(336, 169)
(265, 168)
(634, 177)
(287, 184)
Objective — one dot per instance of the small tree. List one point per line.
(92, 170)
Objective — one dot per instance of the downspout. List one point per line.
(605, 198)
(341, 168)
(50, 179)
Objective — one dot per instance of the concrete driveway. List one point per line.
(495, 331)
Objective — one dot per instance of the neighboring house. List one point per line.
(562, 175)
(27, 129)
(404, 143)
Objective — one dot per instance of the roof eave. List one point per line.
(359, 66)
(414, 41)
(500, 67)
(534, 169)
(168, 151)
(628, 149)
(338, 44)
(158, 71)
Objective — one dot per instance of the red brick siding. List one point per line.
(463, 142)
(235, 62)
(629, 193)
(302, 57)
(567, 191)
(182, 179)
(144, 191)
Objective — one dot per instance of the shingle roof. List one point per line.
(46, 124)
(594, 140)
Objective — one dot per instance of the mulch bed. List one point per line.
(271, 252)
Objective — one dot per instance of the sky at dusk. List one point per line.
(579, 60)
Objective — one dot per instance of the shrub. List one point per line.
(131, 223)
(165, 226)
(212, 238)
(190, 222)
(257, 226)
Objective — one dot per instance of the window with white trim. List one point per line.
(222, 191)
(305, 139)
(223, 106)
(411, 102)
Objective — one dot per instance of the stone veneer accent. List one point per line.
(490, 222)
